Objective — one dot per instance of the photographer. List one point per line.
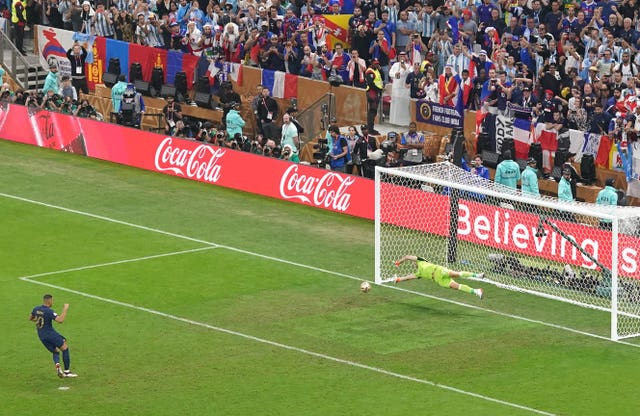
(86, 110)
(51, 102)
(33, 100)
(339, 156)
(207, 133)
(290, 153)
(172, 112)
(68, 106)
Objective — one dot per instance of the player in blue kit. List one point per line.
(44, 316)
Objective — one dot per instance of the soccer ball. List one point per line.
(365, 287)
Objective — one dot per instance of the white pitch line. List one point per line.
(100, 217)
(330, 272)
(113, 263)
(293, 348)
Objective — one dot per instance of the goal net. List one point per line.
(580, 253)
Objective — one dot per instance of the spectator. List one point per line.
(339, 61)
(379, 50)
(414, 81)
(400, 95)
(356, 68)
(87, 14)
(102, 22)
(53, 14)
(65, 8)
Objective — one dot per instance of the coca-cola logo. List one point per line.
(328, 191)
(201, 163)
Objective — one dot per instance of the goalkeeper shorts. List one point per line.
(441, 276)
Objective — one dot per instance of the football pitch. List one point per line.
(190, 299)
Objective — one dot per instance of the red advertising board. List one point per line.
(479, 223)
(190, 159)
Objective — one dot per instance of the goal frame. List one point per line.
(500, 192)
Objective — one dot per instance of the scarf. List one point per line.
(351, 67)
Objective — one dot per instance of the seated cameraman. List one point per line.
(207, 133)
(51, 101)
(268, 148)
(131, 108)
(172, 112)
(290, 153)
(339, 155)
(86, 110)
(68, 106)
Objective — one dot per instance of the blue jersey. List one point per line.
(44, 317)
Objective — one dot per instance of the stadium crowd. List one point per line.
(566, 63)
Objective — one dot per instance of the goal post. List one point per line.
(584, 254)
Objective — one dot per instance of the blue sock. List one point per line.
(56, 357)
(66, 359)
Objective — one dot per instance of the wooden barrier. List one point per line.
(152, 120)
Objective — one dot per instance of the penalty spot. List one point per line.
(64, 388)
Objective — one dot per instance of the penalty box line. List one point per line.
(330, 272)
(114, 263)
(292, 348)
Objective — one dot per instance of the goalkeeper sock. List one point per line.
(465, 288)
(467, 274)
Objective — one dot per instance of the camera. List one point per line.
(322, 151)
(388, 146)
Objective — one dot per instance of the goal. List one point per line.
(584, 254)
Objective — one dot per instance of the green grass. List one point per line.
(246, 329)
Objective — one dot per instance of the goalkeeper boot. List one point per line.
(479, 276)
(59, 370)
(479, 293)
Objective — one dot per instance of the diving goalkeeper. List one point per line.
(439, 274)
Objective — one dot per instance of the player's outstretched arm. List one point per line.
(405, 258)
(60, 318)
